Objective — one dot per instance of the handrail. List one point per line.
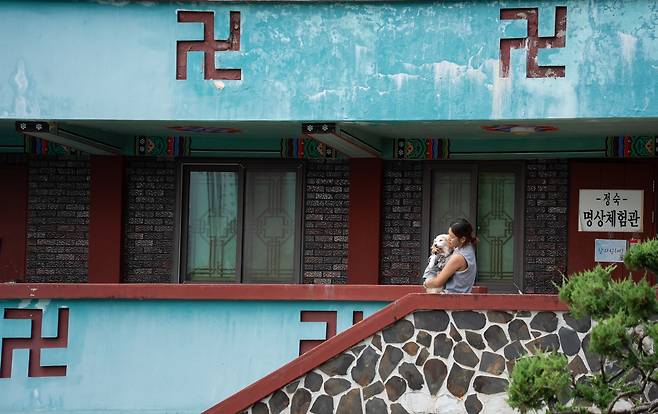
(144, 291)
(199, 291)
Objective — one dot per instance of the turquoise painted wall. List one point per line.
(158, 356)
(325, 61)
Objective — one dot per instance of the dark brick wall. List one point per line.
(401, 234)
(149, 211)
(13, 158)
(546, 202)
(326, 205)
(58, 219)
(546, 220)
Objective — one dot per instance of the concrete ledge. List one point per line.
(205, 291)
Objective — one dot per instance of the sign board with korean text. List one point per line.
(610, 210)
(609, 251)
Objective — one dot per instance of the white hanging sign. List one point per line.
(610, 210)
(610, 251)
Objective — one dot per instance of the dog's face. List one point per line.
(441, 243)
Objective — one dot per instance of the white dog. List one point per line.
(437, 261)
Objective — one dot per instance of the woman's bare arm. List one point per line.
(455, 264)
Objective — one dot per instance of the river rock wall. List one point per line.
(434, 362)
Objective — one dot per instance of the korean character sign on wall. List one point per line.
(610, 210)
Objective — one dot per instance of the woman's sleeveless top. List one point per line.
(462, 282)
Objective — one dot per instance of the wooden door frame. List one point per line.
(475, 167)
(15, 203)
(240, 167)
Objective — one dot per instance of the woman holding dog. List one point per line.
(458, 275)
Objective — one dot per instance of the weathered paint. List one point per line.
(184, 348)
(128, 356)
(325, 61)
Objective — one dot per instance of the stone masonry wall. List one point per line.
(58, 219)
(326, 218)
(149, 212)
(546, 221)
(433, 362)
(401, 234)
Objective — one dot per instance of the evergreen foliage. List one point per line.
(643, 255)
(623, 336)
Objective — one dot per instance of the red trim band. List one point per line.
(205, 291)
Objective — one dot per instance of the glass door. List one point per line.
(495, 229)
(490, 196)
(451, 198)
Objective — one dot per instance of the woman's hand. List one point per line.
(430, 283)
(455, 264)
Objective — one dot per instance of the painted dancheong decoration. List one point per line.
(306, 148)
(172, 146)
(421, 149)
(204, 129)
(519, 129)
(43, 147)
(631, 147)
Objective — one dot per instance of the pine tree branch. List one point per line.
(654, 380)
(617, 375)
(645, 333)
(651, 407)
(631, 352)
(629, 393)
(603, 361)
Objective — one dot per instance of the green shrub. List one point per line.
(643, 256)
(623, 336)
(538, 381)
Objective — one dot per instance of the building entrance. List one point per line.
(616, 214)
